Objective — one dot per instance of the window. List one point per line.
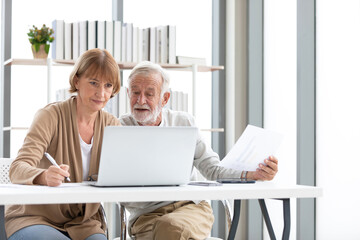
(337, 118)
(280, 101)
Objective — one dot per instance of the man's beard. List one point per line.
(147, 117)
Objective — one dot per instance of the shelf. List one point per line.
(122, 65)
(15, 128)
(17, 61)
(212, 130)
(203, 129)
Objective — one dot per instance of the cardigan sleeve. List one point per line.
(24, 168)
(111, 120)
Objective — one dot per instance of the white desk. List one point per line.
(80, 193)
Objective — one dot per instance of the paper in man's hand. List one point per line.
(253, 147)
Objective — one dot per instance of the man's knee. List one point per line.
(169, 228)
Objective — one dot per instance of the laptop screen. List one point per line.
(144, 155)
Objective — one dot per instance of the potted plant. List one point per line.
(40, 40)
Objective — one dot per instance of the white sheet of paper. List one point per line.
(253, 147)
(63, 185)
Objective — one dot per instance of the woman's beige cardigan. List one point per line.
(55, 131)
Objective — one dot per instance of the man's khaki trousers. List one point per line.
(178, 221)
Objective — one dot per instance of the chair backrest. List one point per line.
(4, 170)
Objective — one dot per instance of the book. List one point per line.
(63, 94)
(180, 98)
(75, 39)
(100, 36)
(139, 45)
(129, 42)
(58, 43)
(60, 95)
(174, 101)
(109, 37)
(117, 40)
(83, 37)
(163, 53)
(168, 104)
(145, 44)
(158, 44)
(123, 42)
(152, 48)
(91, 34)
(190, 60)
(67, 41)
(123, 101)
(112, 105)
(171, 44)
(135, 40)
(186, 102)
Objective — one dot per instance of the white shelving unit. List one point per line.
(123, 66)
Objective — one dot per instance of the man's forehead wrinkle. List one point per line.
(148, 87)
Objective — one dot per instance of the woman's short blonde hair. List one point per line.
(96, 63)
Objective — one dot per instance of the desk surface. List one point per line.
(77, 193)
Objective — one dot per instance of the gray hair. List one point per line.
(145, 68)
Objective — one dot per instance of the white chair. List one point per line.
(4, 170)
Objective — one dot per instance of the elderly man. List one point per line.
(149, 92)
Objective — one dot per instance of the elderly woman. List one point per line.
(71, 132)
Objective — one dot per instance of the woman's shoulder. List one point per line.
(56, 106)
(109, 119)
(56, 110)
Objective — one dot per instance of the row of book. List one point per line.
(179, 101)
(125, 42)
(120, 104)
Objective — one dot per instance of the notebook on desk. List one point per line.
(146, 156)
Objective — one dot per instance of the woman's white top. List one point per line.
(85, 155)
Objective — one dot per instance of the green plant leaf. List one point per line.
(41, 35)
(36, 47)
(47, 47)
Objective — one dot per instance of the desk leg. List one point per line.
(267, 219)
(2, 222)
(235, 221)
(286, 210)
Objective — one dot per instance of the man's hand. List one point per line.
(53, 176)
(265, 172)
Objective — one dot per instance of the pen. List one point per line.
(52, 160)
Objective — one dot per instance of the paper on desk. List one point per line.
(63, 185)
(253, 147)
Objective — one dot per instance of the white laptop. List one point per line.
(146, 156)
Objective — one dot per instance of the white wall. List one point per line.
(280, 26)
(338, 118)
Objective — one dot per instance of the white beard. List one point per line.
(146, 117)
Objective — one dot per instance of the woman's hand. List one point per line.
(53, 176)
(265, 172)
